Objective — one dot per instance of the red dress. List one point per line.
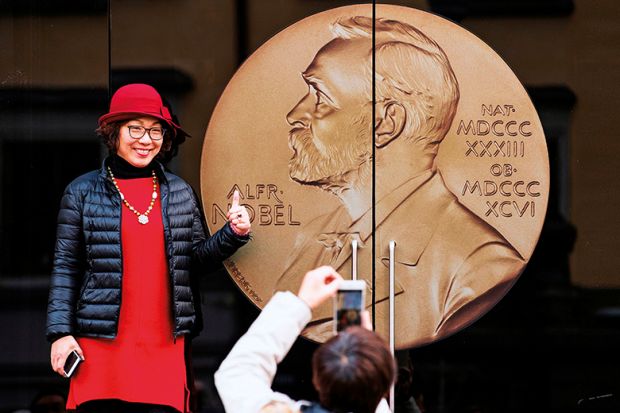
(143, 363)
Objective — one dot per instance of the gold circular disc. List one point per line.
(458, 176)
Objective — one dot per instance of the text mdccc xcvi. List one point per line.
(405, 127)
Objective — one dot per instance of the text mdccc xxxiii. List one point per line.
(396, 125)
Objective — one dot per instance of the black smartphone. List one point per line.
(72, 362)
(349, 304)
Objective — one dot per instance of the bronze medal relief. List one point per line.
(460, 177)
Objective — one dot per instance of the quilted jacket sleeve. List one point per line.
(68, 267)
(211, 251)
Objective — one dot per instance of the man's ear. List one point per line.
(390, 124)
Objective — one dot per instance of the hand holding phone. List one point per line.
(318, 285)
(60, 350)
(72, 362)
(349, 304)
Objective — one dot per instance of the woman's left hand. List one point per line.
(238, 217)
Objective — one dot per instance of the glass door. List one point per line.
(53, 85)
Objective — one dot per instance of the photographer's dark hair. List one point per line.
(353, 371)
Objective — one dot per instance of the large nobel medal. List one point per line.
(456, 172)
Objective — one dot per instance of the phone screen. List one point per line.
(71, 363)
(349, 304)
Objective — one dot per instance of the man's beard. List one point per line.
(333, 168)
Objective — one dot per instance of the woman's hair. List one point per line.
(353, 371)
(109, 134)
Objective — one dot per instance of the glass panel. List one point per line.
(53, 86)
(461, 181)
(544, 319)
(262, 106)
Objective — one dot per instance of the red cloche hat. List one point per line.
(136, 100)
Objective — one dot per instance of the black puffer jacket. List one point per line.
(85, 290)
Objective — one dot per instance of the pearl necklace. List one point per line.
(142, 218)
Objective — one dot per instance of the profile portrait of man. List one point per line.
(451, 266)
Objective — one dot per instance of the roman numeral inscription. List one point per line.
(499, 134)
(499, 128)
(498, 124)
(507, 208)
(492, 149)
(510, 197)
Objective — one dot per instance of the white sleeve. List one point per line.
(383, 407)
(244, 378)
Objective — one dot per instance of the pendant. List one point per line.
(143, 219)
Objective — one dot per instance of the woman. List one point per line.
(130, 233)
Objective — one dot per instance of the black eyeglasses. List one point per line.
(137, 132)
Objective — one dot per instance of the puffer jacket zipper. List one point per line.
(117, 197)
(164, 191)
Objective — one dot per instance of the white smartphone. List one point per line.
(349, 304)
(73, 360)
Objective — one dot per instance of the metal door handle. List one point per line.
(392, 248)
(354, 259)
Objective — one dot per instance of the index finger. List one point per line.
(235, 200)
(366, 323)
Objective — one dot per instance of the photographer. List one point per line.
(352, 371)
